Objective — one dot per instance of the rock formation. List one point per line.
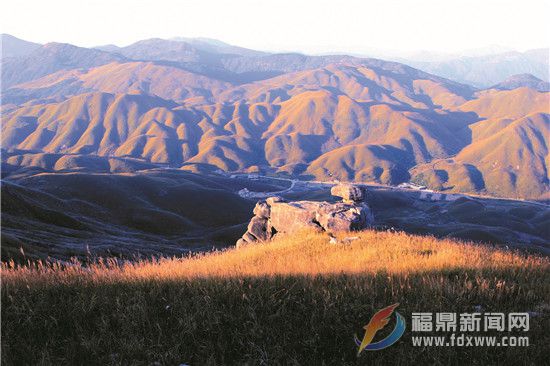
(275, 215)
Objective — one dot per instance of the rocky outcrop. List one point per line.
(349, 193)
(275, 215)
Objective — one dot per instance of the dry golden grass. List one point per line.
(295, 301)
(305, 254)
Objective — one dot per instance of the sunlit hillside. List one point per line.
(311, 117)
(297, 300)
(308, 254)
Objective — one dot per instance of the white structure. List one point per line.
(427, 195)
(410, 185)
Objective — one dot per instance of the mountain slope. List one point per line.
(98, 123)
(523, 80)
(508, 154)
(508, 103)
(151, 212)
(363, 81)
(217, 46)
(323, 117)
(13, 46)
(50, 58)
(287, 120)
(164, 81)
(513, 161)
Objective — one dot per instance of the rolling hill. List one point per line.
(248, 305)
(164, 81)
(78, 211)
(512, 159)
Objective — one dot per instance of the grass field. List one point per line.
(296, 301)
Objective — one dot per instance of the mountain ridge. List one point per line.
(522, 80)
(329, 117)
(13, 46)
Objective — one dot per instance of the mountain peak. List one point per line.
(50, 58)
(13, 46)
(523, 80)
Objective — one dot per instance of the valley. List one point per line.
(163, 147)
(164, 211)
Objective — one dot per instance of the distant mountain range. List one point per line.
(486, 70)
(478, 67)
(203, 105)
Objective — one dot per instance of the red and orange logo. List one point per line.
(377, 322)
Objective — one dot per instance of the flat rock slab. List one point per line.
(294, 216)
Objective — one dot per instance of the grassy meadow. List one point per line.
(296, 301)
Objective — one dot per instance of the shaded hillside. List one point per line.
(151, 212)
(517, 103)
(363, 80)
(235, 136)
(227, 137)
(111, 206)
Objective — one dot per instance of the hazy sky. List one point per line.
(308, 26)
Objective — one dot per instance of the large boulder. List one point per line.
(260, 228)
(249, 238)
(241, 242)
(344, 217)
(349, 192)
(274, 215)
(262, 209)
(294, 216)
(271, 200)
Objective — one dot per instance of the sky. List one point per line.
(352, 26)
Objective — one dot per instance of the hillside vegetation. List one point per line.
(297, 300)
